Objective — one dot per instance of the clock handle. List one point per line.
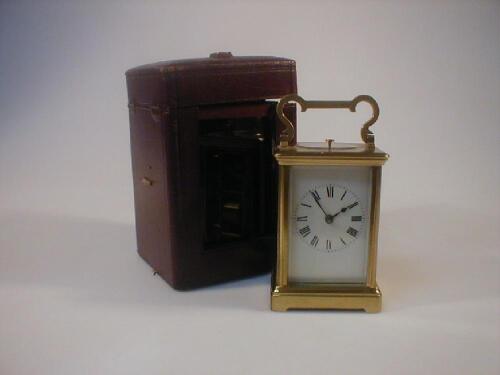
(287, 134)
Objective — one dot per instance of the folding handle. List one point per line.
(287, 134)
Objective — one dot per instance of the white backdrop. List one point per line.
(76, 299)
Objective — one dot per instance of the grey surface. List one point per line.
(76, 299)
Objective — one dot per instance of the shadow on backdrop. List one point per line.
(97, 262)
(427, 255)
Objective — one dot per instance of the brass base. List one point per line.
(369, 300)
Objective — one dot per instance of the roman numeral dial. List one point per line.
(328, 218)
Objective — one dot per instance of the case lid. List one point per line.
(220, 78)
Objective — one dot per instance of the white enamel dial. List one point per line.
(329, 217)
(328, 224)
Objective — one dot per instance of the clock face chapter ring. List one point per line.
(328, 218)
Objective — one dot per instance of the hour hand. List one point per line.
(346, 208)
(350, 206)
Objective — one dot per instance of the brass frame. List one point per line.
(364, 296)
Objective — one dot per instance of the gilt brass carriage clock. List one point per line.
(329, 198)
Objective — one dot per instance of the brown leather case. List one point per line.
(202, 133)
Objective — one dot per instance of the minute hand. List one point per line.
(319, 204)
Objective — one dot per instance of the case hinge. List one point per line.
(157, 112)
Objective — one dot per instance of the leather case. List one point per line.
(202, 134)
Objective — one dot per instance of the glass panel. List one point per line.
(329, 224)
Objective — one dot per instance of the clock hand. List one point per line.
(345, 209)
(328, 218)
(350, 206)
(316, 199)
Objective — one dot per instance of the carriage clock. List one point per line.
(329, 199)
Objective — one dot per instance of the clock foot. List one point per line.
(367, 299)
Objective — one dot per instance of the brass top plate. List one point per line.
(337, 154)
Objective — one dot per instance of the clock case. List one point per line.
(202, 134)
(365, 296)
